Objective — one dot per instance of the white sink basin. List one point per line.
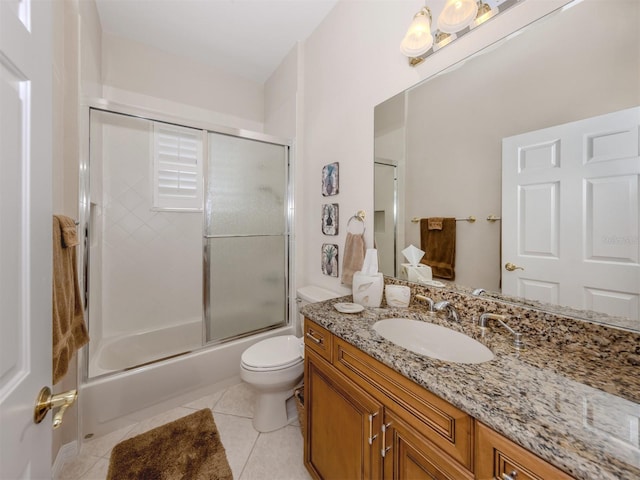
(433, 340)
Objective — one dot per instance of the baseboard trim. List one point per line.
(66, 452)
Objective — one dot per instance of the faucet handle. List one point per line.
(427, 300)
(501, 319)
(452, 313)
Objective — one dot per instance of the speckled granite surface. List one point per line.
(572, 396)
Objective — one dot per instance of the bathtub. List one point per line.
(119, 353)
(109, 402)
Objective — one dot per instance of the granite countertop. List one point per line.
(571, 396)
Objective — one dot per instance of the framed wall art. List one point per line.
(329, 259)
(330, 219)
(330, 179)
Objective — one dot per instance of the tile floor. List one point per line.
(251, 454)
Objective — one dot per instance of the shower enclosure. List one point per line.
(187, 237)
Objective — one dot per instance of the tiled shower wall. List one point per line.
(150, 261)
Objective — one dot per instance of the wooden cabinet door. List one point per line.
(409, 455)
(499, 458)
(343, 425)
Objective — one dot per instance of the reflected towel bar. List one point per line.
(469, 219)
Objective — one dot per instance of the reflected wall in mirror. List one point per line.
(444, 136)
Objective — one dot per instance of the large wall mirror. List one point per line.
(439, 153)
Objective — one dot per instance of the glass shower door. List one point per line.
(246, 237)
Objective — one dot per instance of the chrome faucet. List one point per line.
(427, 300)
(445, 305)
(517, 337)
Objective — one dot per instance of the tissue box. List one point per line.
(414, 273)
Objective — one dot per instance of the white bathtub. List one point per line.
(113, 401)
(119, 353)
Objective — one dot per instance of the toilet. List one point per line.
(274, 367)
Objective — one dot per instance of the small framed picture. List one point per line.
(330, 219)
(329, 260)
(330, 179)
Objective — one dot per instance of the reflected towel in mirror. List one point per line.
(439, 246)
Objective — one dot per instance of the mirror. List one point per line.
(438, 145)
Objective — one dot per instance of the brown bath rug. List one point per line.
(186, 449)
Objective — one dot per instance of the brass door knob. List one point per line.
(510, 267)
(46, 402)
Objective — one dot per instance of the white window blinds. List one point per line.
(177, 167)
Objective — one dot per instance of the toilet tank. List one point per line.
(311, 294)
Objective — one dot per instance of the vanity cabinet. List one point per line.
(366, 421)
(409, 455)
(500, 458)
(342, 422)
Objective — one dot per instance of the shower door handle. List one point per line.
(85, 265)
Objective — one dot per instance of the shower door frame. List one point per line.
(84, 193)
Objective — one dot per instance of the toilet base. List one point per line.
(270, 411)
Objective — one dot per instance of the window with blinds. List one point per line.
(177, 167)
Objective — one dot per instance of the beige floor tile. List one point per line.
(238, 437)
(237, 400)
(277, 455)
(251, 455)
(101, 446)
(76, 468)
(161, 419)
(98, 471)
(205, 402)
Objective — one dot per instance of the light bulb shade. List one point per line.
(418, 38)
(456, 15)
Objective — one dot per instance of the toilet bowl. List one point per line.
(274, 367)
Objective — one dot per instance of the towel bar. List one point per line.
(359, 215)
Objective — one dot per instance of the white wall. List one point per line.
(281, 97)
(142, 76)
(76, 71)
(352, 63)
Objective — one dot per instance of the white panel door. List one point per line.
(571, 194)
(25, 235)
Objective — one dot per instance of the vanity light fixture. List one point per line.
(457, 18)
(456, 15)
(443, 39)
(485, 12)
(418, 38)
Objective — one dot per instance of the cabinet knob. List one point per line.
(511, 476)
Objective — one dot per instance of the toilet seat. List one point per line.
(274, 353)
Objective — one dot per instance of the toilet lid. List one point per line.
(281, 351)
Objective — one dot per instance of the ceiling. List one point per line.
(249, 38)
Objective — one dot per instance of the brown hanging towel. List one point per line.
(438, 240)
(353, 256)
(69, 330)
